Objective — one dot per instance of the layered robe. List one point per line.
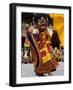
(42, 53)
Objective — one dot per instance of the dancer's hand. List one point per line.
(30, 30)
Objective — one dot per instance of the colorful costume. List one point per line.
(43, 43)
(42, 53)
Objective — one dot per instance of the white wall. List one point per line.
(4, 44)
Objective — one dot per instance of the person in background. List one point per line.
(25, 45)
(55, 43)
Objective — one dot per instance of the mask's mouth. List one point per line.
(43, 24)
(43, 27)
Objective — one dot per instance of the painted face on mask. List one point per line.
(42, 24)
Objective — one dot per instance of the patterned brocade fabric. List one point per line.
(43, 43)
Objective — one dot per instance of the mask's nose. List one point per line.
(42, 19)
